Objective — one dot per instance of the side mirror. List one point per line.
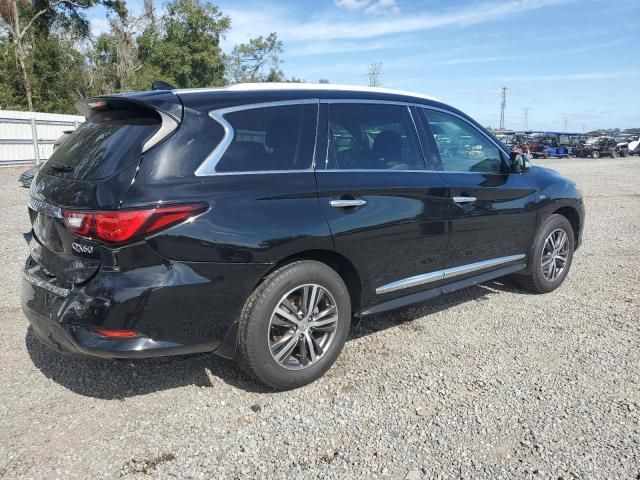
(519, 162)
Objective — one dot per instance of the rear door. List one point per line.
(387, 213)
(492, 209)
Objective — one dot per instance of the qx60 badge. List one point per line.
(81, 248)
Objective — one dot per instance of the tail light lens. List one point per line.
(120, 226)
(117, 334)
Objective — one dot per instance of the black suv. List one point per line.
(254, 221)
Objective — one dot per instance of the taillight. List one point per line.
(103, 332)
(120, 226)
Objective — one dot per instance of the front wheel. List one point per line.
(294, 325)
(595, 154)
(550, 256)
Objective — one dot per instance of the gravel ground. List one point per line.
(490, 382)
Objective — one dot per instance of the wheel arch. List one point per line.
(332, 259)
(341, 264)
(573, 216)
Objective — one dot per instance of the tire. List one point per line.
(614, 154)
(260, 328)
(534, 278)
(595, 154)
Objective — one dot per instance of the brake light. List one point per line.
(103, 332)
(100, 105)
(119, 226)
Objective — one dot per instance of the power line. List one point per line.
(375, 69)
(503, 105)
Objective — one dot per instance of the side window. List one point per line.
(270, 138)
(462, 148)
(372, 136)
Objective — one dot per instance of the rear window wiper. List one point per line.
(60, 168)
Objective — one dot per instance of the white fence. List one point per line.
(28, 137)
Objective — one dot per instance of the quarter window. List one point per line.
(270, 138)
(372, 136)
(462, 148)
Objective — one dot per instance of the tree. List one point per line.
(10, 85)
(20, 18)
(48, 57)
(187, 47)
(25, 22)
(256, 61)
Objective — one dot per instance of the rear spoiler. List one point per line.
(163, 104)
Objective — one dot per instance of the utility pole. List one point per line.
(525, 115)
(374, 74)
(503, 105)
(565, 124)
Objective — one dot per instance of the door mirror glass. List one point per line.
(519, 162)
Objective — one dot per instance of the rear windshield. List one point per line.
(105, 143)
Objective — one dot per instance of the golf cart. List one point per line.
(596, 147)
(552, 144)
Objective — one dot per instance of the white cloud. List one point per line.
(382, 6)
(545, 54)
(376, 7)
(353, 4)
(247, 24)
(600, 75)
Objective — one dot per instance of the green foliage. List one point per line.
(187, 50)
(62, 61)
(58, 70)
(10, 84)
(256, 61)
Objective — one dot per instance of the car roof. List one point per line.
(304, 87)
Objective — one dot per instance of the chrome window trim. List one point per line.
(445, 274)
(453, 114)
(366, 100)
(373, 170)
(256, 172)
(208, 166)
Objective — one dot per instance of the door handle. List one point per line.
(348, 203)
(464, 199)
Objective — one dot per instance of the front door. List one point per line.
(492, 210)
(386, 212)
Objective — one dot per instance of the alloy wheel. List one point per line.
(302, 326)
(555, 254)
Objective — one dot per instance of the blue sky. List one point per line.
(571, 62)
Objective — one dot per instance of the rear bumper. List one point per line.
(177, 309)
(78, 341)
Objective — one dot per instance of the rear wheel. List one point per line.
(550, 256)
(595, 154)
(614, 154)
(294, 325)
